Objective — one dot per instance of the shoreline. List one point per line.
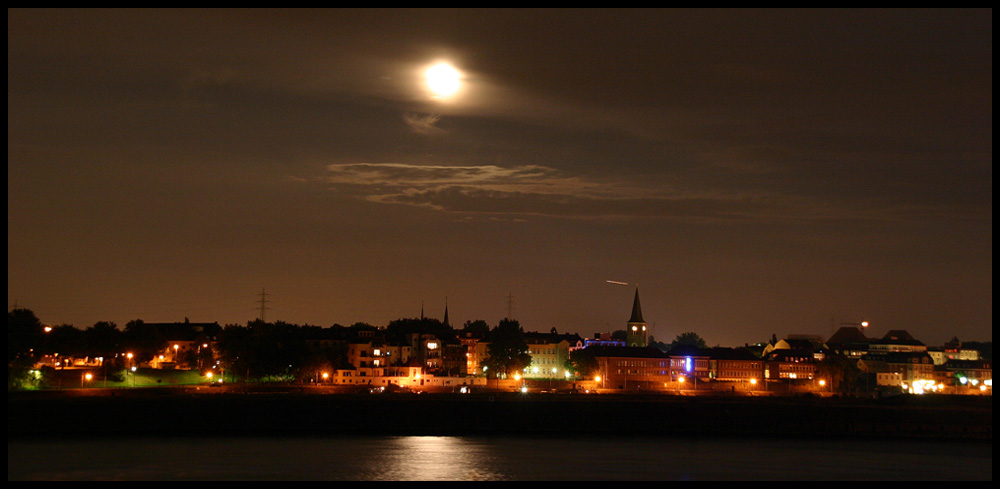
(205, 412)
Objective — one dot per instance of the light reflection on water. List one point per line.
(494, 458)
(437, 458)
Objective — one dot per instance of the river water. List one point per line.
(494, 458)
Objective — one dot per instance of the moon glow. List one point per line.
(443, 80)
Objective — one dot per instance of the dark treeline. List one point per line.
(258, 350)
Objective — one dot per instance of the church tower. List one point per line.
(635, 330)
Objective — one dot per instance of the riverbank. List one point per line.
(187, 412)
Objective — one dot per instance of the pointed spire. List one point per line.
(446, 312)
(636, 310)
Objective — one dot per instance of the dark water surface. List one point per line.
(494, 458)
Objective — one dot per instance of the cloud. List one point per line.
(424, 124)
(526, 178)
(515, 193)
(531, 190)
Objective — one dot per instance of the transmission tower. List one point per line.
(263, 304)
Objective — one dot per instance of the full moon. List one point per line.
(443, 80)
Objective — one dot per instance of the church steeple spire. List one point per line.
(636, 309)
(635, 331)
(446, 312)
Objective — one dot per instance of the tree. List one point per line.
(65, 340)
(24, 333)
(24, 338)
(841, 372)
(143, 340)
(689, 339)
(477, 328)
(398, 330)
(583, 362)
(508, 352)
(274, 350)
(103, 339)
(659, 345)
(234, 349)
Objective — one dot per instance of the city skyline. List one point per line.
(754, 172)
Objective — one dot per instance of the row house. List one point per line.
(549, 353)
(476, 352)
(850, 342)
(896, 341)
(789, 365)
(899, 368)
(967, 375)
(952, 353)
(376, 354)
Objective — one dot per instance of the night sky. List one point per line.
(754, 172)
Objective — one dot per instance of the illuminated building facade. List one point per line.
(734, 365)
(790, 365)
(631, 367)
(689, 363)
